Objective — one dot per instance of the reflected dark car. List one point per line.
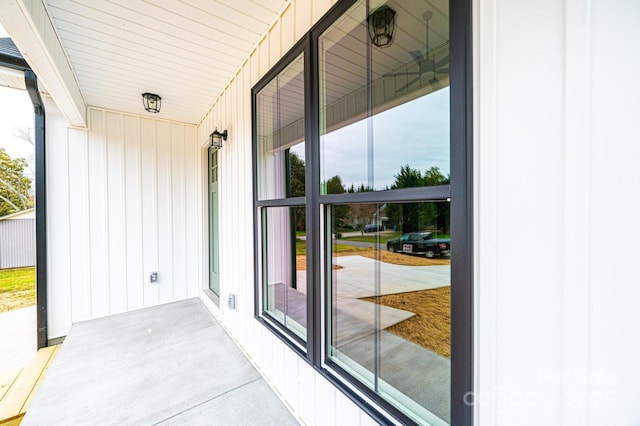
(422, 243)
(372, 228)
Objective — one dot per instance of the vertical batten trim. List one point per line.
(89, 221)
(294, 11)
(105, 128)
(242, 143)
(157, 209)
(486, 324)
(195, 147)
(140, 216)
(186, 173)
(577, 181)
(170, 214)
(71, 292)
(89, 287)
(125, 215)
(123, 194)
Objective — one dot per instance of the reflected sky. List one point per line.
(415, 133)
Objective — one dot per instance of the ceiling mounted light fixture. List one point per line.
(216, 138)
(151, 102)
(382, 26)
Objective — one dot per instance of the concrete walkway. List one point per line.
(356, 280)
(359, 328)
(359, 274)
(18, 338)
(172, 364)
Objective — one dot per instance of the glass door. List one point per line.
(214, 258)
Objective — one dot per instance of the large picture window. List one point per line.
(363, 210)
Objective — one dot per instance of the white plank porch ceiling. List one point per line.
(186, 51)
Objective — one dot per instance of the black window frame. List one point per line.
(291, 339)
(459, 192)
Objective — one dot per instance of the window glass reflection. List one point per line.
(390, 301)
(284, 267)
(385, 108)
(280, 134)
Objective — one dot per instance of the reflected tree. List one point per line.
(413, 217)
(340, 213)
(295, 182)
(296, 175)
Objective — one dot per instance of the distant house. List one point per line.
(18, 240)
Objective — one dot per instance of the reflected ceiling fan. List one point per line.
(425, 60)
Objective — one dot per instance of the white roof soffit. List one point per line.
(33, 33)
(110, 52)
(11, 78)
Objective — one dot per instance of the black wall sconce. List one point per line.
(382, 26)
(216, 138)
(151, 102)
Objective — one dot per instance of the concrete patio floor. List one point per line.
(18, 338)
(170, 364)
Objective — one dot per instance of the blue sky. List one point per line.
(415, 133)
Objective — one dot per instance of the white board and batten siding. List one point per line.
(556, 209)
(555, 146)
(555, 155)
(122, 203)
(312, 398)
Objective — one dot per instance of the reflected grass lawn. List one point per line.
(373, 238)
(17, 288)
(301, 248)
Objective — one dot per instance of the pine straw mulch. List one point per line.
(431, 326)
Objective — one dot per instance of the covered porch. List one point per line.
(169, 364)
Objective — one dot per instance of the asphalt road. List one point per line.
(381, 246)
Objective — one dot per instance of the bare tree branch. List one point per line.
(24, 133)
